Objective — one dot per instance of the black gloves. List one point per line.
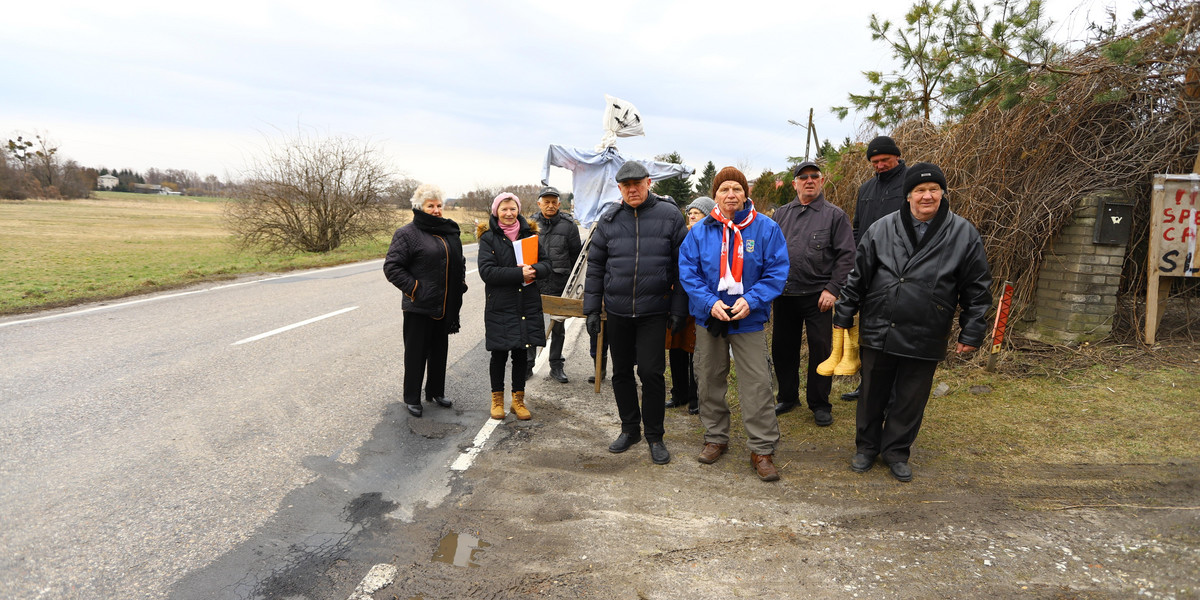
(717, 327)
(675, 323)
(593, 323)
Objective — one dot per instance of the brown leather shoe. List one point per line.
(765, 468)
(711, 452)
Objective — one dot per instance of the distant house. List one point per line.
(147, 188)
(107, 182)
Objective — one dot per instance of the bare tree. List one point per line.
(313, 194)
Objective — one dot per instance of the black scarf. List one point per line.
(455, 269)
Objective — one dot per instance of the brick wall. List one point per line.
(1077, 287)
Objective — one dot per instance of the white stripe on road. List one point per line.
(377, 578)
(293, 326)
(464, 460)
(180, 294)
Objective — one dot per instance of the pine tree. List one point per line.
(678, 188)
(704, 186)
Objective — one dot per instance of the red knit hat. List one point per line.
(727, 174)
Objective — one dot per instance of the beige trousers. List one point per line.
(753, 385)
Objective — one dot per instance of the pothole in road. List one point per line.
(459, 549)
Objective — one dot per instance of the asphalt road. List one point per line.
(164, 447)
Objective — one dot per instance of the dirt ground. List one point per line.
(558, 516)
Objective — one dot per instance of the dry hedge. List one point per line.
(1017, 173)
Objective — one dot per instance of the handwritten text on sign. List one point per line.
(1176, 225)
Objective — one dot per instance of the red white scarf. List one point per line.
(731, 274)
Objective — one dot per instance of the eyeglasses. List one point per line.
(804, 176)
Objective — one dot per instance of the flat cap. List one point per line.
(804, 165)
(631, 171)
(549, 191)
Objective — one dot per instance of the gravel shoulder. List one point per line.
(560, 517)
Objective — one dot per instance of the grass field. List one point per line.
(57, 253)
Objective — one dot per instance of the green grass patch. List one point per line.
(57, 253)
(1112, 406)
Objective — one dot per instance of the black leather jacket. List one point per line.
(907, 291)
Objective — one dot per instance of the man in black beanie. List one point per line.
(913, 269)
(878, 196)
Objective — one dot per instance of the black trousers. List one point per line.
(558, 335)
(640, 340)
(426, 344)
(683, 376)
(496, 369)
(791, 316)
(890, 430)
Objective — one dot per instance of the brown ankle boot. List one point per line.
(497, 405)
(765, 468)
(518, 406)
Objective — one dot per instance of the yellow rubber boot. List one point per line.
(497, 405)
(850, 361)
(826, 368)
(518, 406)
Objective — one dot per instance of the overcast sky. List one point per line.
(462, 94)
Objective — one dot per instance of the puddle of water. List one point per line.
(459, 549)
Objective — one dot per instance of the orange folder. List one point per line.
(526, 250)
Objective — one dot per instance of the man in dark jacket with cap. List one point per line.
(821, 254)
(633, 275)
(559, 235)
(912, 270)
(878, 196)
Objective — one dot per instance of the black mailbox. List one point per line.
(1114, 221)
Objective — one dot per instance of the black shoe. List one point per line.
(693, 410)
(823, 418)
(624, 442)
(861, 463)
(441, 401)
(852, 396)
(557, 374)
(659, 453)
(592, 378)
(785, 407)
(901, 471)
(674, 403)
(414, 409)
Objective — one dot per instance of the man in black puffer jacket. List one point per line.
(559, 235)
(912, 270)
(633, 274)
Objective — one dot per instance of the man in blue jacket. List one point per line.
(633, 275)
(732, 265)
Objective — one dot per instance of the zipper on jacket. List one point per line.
(637, 252)
(446, 283)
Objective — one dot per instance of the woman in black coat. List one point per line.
(513, 309)
(425, 261)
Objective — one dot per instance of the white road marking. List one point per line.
(464, 460)
(178, 294)
(377, 578)
(293, 326)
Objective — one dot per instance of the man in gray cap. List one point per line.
(559, 235)
(633, 275)
(878, 196)
(821, 254)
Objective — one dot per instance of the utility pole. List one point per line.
(810, 133)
